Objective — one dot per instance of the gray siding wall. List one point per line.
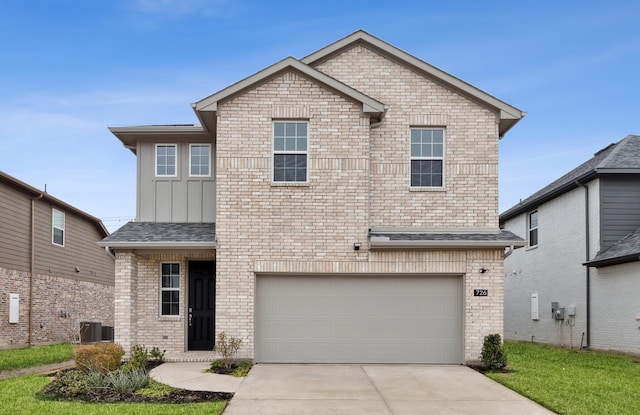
(553, 270)
(15, 223)
(80, 249)
(174, 199)
(620, 202)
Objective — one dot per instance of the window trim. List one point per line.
(416, 158)
(54, 227)
(274, 153)
(175, 146)
(191, 145)
(530, 229)
(171, 289)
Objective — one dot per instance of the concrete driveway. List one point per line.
(374, 389)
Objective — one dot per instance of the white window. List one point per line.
(533, 228)
(57, 227)
(427, 157)
(166, 160)
(290, 151)
(170, 289)
(199, 160)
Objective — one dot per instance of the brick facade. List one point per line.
(358, 179)
(59, 305)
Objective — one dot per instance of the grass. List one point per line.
(18, 396)
(572, 382)
(35, 356)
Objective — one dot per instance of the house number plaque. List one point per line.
(480, 293)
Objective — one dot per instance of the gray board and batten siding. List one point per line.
(174, 199)
(619, 213)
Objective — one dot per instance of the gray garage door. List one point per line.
(359, 319)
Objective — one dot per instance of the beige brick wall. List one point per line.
(138, 319)
(59, 305)
(470, 198)
(267, 228)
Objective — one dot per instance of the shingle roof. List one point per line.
(162, 235)
(444, 240)
(625, 250)
(623, 156)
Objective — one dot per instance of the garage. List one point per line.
(359, 319)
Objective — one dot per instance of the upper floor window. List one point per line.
(57, 227)
(170, 289)
(290, 151)
(533, 228)
(427, 157)
(200, 160)
(166, 160)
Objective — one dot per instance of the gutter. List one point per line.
(587, 249)
(32, 265)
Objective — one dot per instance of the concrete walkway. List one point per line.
(374, 390)
(37, 370)
(193, 376)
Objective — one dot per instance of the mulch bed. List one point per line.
(178, 396)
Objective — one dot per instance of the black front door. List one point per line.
(202, 304)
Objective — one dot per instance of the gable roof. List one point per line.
(36, 193)
(625, 250)
(620, 157)
(156, 235)
(206, 108)
(509, 115)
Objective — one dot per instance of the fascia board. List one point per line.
(210, 103)
(377, 244)
(157, 245)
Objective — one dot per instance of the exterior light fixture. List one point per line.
(356, 246)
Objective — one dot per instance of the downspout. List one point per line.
(32, 267)
(588, 269)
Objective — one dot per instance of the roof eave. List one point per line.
(129, 136)
(613, 261)
(374, 245)
(158, 245)
(206, 108)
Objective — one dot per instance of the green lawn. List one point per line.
(34, 356)
(18, 396)
(573, 382)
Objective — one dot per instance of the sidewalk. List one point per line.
(37, 370)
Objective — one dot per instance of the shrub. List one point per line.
(73, 383)
(157, 355)
(102, 357)
(126, 380)
(493, 355)
(228, 347)
(139, 357)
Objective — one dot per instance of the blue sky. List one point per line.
(69, 69)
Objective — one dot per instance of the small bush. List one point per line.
(493, 355)
(139, 357)
(228, 347)
(101, 357)
(218, 364)
(157, 355)
(73, 383)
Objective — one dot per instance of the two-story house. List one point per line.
(576, 282)
(53, 275)
(355, 199)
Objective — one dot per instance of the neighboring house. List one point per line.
(53, 274)
(354, 194)
(583, 251)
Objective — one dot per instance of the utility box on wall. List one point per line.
(14, 308)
